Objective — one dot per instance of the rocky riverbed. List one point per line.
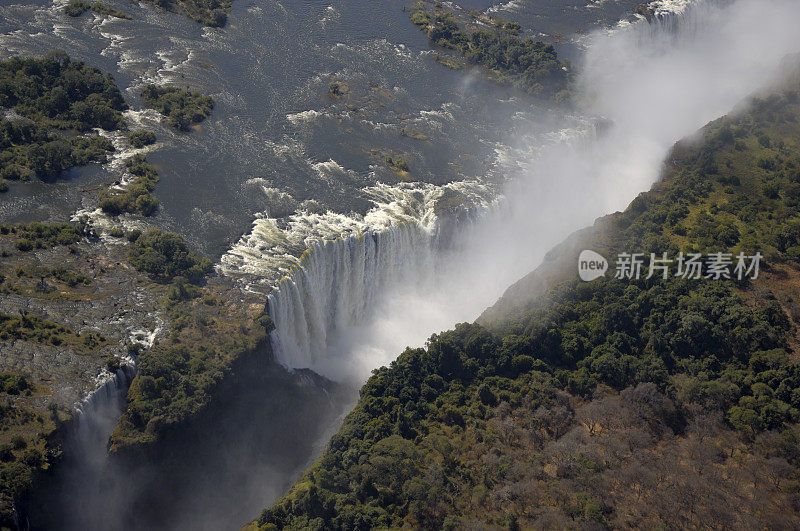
(91, 291)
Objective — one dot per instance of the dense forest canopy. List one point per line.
(48, 105)
(165, 255)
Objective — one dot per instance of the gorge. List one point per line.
(351, 262)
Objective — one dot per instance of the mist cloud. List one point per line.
(652, 84)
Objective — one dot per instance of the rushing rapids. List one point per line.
(274, 247)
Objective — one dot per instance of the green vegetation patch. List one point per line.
(37, 329)
(182, 108)
(46, 96)
(77, 8)
(59, 93)
(212, 13)
(533, 65)
(177, 378)
(24, 447)
(164, 256)
(14, 384)
(397, 164)
(413, 133)
(43, 235)
(138, 196)
(449, 62)
(18, 281)
(141, 138)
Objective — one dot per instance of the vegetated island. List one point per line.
(615, 403)
(77, 8)
(532, 65)
(48, 106)
(182, 108)
(141, 138)
(212, 13)
(137, 197)
(176, 379)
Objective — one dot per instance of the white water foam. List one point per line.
(274, 247)
(303, 117)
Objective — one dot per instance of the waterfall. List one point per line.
(67, 497)
(679, 24)
(338, 284)
(97, 415)
(327, 276)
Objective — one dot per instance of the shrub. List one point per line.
(13, 384)
(164, 256)
(141, 138)
(183, 108)
(77, 8)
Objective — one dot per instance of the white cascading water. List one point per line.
(349, 265)
(355, 302)
(337, 285)
(99, 412)
(86, 442)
